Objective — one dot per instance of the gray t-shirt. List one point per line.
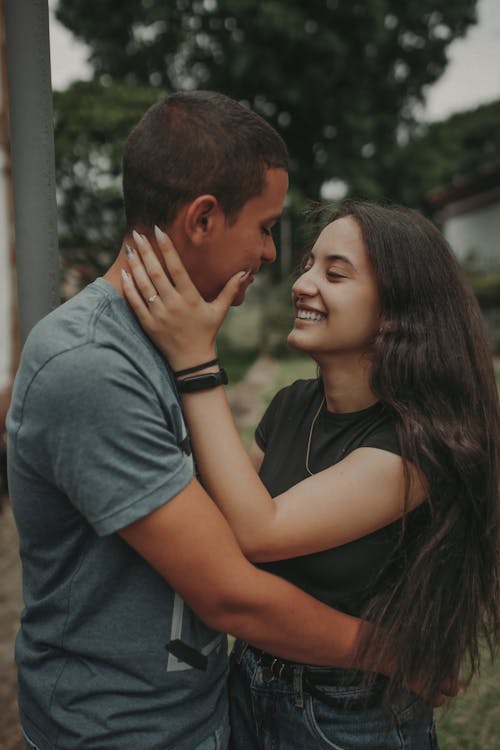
(96, 440)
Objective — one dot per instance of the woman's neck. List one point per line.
(347, 384)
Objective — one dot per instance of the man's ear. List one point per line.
(201, 218)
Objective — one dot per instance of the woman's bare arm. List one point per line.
(357, 496)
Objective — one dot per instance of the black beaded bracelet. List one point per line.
(196, 368)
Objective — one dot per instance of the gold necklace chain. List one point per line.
(309, 439)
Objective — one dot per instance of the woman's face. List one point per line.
(336, 299)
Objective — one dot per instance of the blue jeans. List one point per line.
(268, 713)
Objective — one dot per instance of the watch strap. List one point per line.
(202, 382)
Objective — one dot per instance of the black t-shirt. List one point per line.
(345, 577)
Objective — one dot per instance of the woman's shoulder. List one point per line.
(295, 396)
(299, 389)
(286, 407)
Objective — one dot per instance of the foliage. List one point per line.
(472, 720)
(487, 289)
(263, 323)
(338, 79)
(441, 152)
(236, 362)
(92, 122)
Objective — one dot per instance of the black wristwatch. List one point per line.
(202, 382)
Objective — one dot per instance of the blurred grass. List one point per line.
(472, 720)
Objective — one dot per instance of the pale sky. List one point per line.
(472, 76)
(473, 73)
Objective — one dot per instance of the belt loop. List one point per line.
(239, 650)
(298, 693)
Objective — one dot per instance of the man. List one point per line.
(130, 573)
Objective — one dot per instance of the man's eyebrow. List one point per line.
(272, 219)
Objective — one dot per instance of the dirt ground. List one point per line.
(10, 607)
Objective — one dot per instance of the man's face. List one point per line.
(243, 245)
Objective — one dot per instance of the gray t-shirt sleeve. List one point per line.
(105, 438)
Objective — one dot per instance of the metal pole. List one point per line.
(32, 151)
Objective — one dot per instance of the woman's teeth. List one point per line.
(308, 315)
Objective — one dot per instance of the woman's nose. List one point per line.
(304, 285)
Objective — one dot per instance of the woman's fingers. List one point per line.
(139, 274)
(230, 290)
(148, 274)
(180, 277)
(151, 278)
(168, 305)
(135, 299)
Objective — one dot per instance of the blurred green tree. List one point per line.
(441, 152)
(339, 79)
(91, 124)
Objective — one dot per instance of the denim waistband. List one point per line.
(314, 678)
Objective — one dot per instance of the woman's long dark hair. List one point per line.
(432, 368)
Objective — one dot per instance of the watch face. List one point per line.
(203, 382)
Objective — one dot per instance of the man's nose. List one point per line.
(269, 254)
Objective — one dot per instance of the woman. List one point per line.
(384, 473)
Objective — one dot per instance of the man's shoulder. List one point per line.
(66, 327)
(90, 349)
(90, 331)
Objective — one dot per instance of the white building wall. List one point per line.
(476, 234)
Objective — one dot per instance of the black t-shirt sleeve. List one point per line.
(383, 437)
(265, 425)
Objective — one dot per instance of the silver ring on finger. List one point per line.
(151, 299)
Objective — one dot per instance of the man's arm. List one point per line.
(190, 544)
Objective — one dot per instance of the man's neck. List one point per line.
(113, 274)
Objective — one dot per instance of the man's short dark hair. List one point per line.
(192, 143)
